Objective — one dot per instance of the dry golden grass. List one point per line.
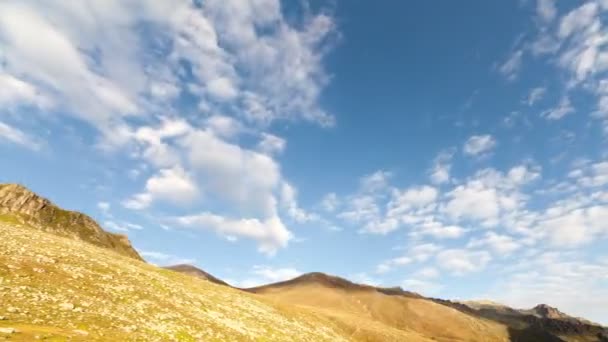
(370, 315)
(58, 289)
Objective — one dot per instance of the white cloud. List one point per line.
(290, 203)
(244, 177)
(479, 144)
(14, 91)
(562, 109)
(172, 185)
(566, 227)
(375, 182)
(271, 144)
(510, 68)
(574, 286)
(122, 226)
(415, 197)
(422, 252)
(462, 261)
(498, 243)
(164, 259)
(99, 66)
(263, 274)
(535, 95)
(222, 88)
(270, 234)
(546, 10)
(437, 230)
(104, 207)
(330, 202)
(427, 273)
(361, 208)
(440, 173)
(224, 126)
(392, 263)
(17, 136)
(488, 194)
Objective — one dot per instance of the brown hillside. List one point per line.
(369, 314)
(196, 272)
(20, 205)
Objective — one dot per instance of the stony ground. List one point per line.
(57, 289)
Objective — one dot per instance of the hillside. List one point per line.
(62, 277)
(19, 205)
(196, 272)
(369, 314)
(55, 287)
(541, 323)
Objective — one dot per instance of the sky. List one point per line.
(455, 149)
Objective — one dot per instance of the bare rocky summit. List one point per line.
(22, 206)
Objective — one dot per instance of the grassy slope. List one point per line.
(370, 314)
(117, 298)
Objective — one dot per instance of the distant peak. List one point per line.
(548, 311)
(196, 272)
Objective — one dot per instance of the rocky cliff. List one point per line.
(20, 205)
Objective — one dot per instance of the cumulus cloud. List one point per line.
(392, 263)
(330, 202)
(271, 144)
(172, 185)
(479, 144)
(574, 286)
(462, 261)
(270, 234)
(440, 173)
(498, 243)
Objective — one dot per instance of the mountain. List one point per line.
(369, 313)
(62, 277)
(62, 289)
(21, 206)
(541, 323)
(196, 272)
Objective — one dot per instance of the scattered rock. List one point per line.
(81, 332)
(3, 318)
(78, 309)
(12, 309)
(66, 306)
(8, 330)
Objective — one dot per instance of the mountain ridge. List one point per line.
(19, 204)
(360, 311)
(196, 272)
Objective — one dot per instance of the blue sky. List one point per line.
(454, 149)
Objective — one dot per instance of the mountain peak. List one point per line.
(21, 205)
(547, 311)
(196, 272)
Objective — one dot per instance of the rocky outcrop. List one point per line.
(541, 323)
(20, 205)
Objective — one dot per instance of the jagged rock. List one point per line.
(27, 208)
